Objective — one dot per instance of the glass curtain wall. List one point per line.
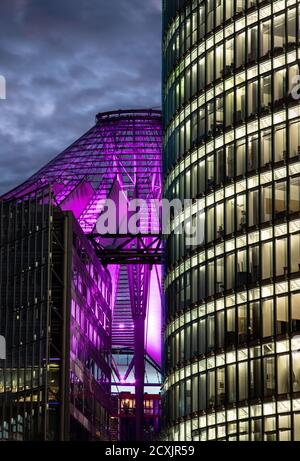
(232, 144)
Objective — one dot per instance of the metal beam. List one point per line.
(145, 249)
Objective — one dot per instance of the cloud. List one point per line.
(157, 4)
(64, 61)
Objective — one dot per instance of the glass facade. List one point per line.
(232, 145)
(90, 342)
(25, 241)
(124, 417)
(55, 314)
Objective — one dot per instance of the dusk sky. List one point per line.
(64, 61)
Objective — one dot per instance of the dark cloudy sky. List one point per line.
(64, 61)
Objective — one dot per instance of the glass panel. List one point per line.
(294, 195)
(296, 371)
(269, 376)
(268, 316)
(243, 381)
(283, 377)
(282, 316)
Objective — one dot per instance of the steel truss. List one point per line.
(136, 249)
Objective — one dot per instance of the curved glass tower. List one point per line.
(80, 305)
(232, 144)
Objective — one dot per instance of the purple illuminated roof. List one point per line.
(126, 144)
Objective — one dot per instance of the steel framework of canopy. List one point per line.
(122, 153)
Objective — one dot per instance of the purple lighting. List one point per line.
(120, 156)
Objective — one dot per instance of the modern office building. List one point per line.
(232, 145)
(81, 310)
